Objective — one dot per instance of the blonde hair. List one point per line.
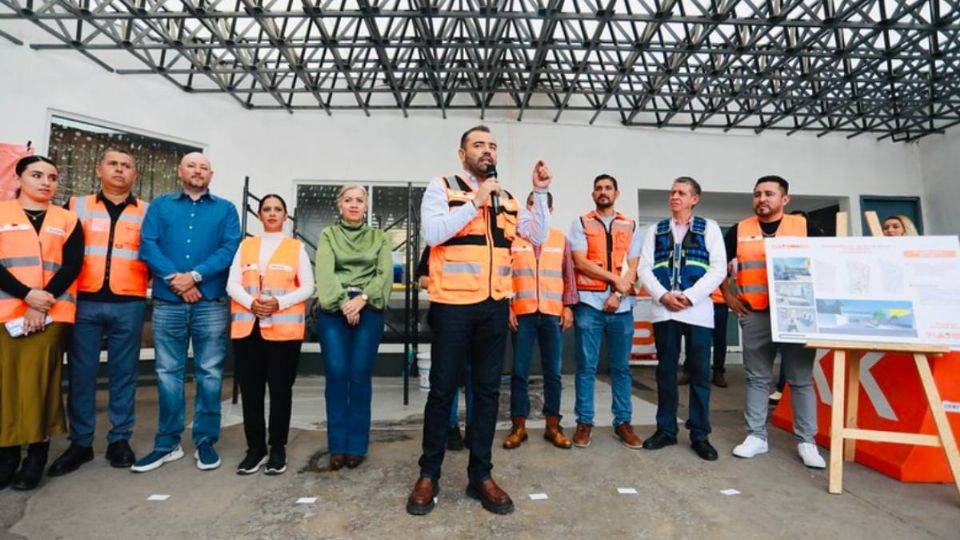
(343, 191)
(909, 229)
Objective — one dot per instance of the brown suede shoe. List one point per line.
(581, 437)
(337, 461)
(491, 497)
(627, 437)
(354, 461)
(518, 434)
(719, 379)
(554, 433)
(424, 497)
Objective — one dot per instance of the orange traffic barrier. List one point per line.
(891, 398)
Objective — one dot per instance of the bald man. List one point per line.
(189, 239)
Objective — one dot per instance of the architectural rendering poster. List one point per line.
(872, 289)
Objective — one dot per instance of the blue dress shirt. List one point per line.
(180, 234)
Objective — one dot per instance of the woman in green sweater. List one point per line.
(354, 276)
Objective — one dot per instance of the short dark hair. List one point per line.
(549, 198)
(263, 199)
(690, 182)
(107, 150)
(784, 185)
(463, 138)
(30, 160)
(605, 176)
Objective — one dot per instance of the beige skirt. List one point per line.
(31, 403)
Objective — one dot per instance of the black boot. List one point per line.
(31, 470)
(9, 461)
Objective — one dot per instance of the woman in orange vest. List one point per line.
(270, 281)
(41, 253)
(354, 276)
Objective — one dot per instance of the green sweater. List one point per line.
(353, 256)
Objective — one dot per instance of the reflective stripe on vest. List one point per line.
(475, 263)
(538, 283)
(34, 258)
(751, 257)
(128, 274)
(280, 278)
(605, 248)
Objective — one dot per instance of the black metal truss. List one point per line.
(886, 67)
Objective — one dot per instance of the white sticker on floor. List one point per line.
(538, 496)
(306, 500)
(951, 406)
(627, 491)
(729, 492)
(158, 497)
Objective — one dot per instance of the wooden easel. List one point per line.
(844, 433)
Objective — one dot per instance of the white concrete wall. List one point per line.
(276, 148)
(940, 159)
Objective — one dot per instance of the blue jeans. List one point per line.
(175, 325)
(348, 356)
(121, 323)
(455, 408)
(592, 324)
(668, 336)
(546, 330)
(474, 334)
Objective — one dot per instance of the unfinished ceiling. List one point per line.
(890, 68)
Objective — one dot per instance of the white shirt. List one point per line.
(269, 242)
(440, 223)
(701, 312)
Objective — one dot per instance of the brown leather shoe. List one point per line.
(627, 437)
(554, 433)
(719, 379)
(423, 498)
(518, 434)
(337, 461)
(581, 437)
(354, 461)
(491, 497)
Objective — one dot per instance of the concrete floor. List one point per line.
(678, 496)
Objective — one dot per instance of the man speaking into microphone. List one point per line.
(469, 224)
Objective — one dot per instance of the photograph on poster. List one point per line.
(866, 317)
(793, 294)
(791, 269)
(798, 320)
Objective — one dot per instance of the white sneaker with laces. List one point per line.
(811, 456)
(750, 447)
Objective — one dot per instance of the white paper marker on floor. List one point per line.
(538, 496)
(306, 500)
(158, 497)
(729, 492)
(627, 491)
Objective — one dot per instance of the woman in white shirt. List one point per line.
(270, 282)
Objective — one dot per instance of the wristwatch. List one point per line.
(365, 297)
(197, 278)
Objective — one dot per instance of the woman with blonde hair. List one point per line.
(354, 275)
(899, 225)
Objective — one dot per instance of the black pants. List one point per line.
(262, 363)
(474, 333)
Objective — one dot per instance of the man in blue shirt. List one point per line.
(189, 239)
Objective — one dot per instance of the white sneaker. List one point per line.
(811, 456)
(750, 447)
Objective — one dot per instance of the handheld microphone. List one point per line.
(494, 197)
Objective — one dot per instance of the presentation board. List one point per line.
(872, 289)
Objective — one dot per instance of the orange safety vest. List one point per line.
(605, 248)
(128, 274)
(474, 264)
(538, 284)
(280, 278)
(34, 258)
(752, 260)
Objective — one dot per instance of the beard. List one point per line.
(604, 204)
